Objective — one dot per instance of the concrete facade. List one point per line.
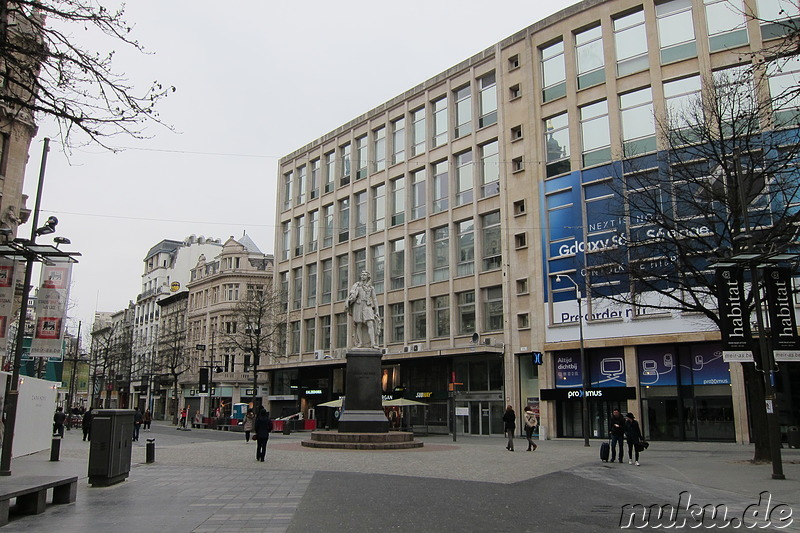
(450, 194)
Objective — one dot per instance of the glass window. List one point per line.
(330, 171)
(295, 329)
(342, 270)
(466, 247)
(341, 330)
(360, 201)
(297, 288)
(784, 78)
(359, 262)
(284, 295)
(418, 320)
(464, 178)
(488, 88)
(638, 122)
(441, 316)
(399, 140)
(313, 230)
(418, 259)
(589, 56)
(311, 334)
(441, 254)
(286, 240)
(344, 219)
(288, 180)
(681, 99)
(344, 169)
(300, 186)
(490, 169)
(418, 196)
(379, 135)
(676, 30)
(418, 131)
(630, 40)
(556, 141)
(327, 280)
(327, 224)
(378, 267)
(314, 186)
(398, 322)
(398, 263)
(361, 157)
(595, 133)
(772, 10)
(311, 284)
(299, 234)
(463, 98)
(490, 224)
(441, 186)
(398, 188)
(439, 121)
(725, 20)
(325, 328)
(379, 207)
(554, 74)
(466, 312)
(493, 309)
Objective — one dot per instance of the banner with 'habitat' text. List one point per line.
(780, 305)
(733, 314)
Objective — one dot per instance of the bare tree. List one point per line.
(726, 183)
(172, 359)
(47, 72)
(257, 318)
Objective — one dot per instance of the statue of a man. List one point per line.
(362, 305)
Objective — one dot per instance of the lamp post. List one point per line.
(31, 252)
(584, 362)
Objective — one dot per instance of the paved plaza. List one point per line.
(209, 481)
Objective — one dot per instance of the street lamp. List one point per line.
(32, 253)
(584, 362)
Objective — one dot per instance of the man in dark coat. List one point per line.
(263, 427)
(86, 425)
(58, 422)
(616, 429)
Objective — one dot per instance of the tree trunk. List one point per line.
(759, 432)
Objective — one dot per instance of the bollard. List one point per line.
(55, 449)
(287, 429)
(150, 451)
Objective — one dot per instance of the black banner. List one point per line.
(778, 282)
(734, 315)
(604, 393)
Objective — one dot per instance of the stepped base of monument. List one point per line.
(394, 440)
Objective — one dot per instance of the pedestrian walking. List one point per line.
(249, 424)
(137, 423)
(86, 425)
(147, 418)
(633, 434)
(616, 431)
(530, 426)
(58, 422)
(263, 427)
(510, 425)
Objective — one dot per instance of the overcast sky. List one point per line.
(254, 82)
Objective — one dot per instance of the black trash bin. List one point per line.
(110, 450)
(793, 436)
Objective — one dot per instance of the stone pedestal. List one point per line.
(363, 412)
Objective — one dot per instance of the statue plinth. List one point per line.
(363, 411)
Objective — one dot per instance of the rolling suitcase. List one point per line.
(605, 449)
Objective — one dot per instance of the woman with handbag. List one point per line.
(633, 434)
(530, 425)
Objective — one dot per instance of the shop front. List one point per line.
(684, 391)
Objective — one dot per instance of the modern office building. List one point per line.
(466, 196)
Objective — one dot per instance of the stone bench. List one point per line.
(31, 493)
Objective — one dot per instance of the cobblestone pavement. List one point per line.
(208, 481)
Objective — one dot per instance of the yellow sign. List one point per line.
(175, 286)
